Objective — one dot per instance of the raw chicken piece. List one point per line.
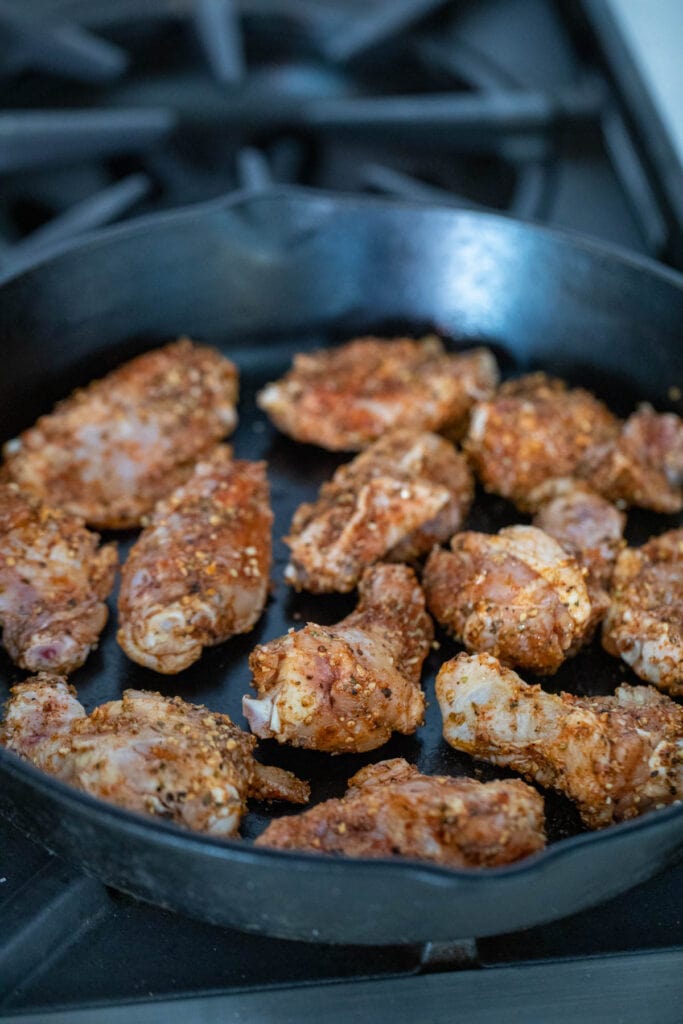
(54, 580)
(146, 753)
(516, 593)
(345, 398)
(199, 573)
(391, 810)
(535, 429)
(615, 757)
(587, 527)
(644, 624)
(111, 450)
(394, 500)
(644, 466)
(347, 687)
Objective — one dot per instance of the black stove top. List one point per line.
(112, 108)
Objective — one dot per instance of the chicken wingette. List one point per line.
(114, 448)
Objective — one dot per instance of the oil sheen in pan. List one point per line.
(221, 676)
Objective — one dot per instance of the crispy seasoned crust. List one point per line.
(111, 450)
(404, 493)
(390, 809)
(516, 594)
(199, 572)
(147, 753)
(347, 687)
(615, 757)
(644, 623)
(54, 580)
(345, 398)
(533, 430)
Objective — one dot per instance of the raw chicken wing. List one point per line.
(111, 450)
(199, 573)
(644, 466)
(533, 430)
(615, 757)
(345, 398)
(644, 624)
(347, 687)
(54, 580)
(390, 809)
(588, 527)
(516, 593)
(395, 500)
(146, 753)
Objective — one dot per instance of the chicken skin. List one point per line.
(345, 398)
(54, 580)
(535, 429)
(516, 594)
(394, 501)
(146, 753)
(644, 466)
(112, 449)
(390, 810)
(615, 757)
(199, 573)
(588, 527)
(346, 688)
(644, 624)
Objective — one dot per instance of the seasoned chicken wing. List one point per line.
(644, 624)
(516, 593)
(535, 429)
(588, 527)
(111, 450)
(146, 753)
(615, 757)
(345, 398)
(390, 809)
(54, 580)
(199, 573)
(644, 466)
(395, 500)
(347, 687)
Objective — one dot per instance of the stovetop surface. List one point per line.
(147, 106)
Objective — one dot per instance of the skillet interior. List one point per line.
(263, 278)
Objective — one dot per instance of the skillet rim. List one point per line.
(60, 793)
(251, 197)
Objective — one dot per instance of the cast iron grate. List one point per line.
(113, 108)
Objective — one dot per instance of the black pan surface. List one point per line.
(263, 277)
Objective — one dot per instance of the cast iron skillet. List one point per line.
(263, 277)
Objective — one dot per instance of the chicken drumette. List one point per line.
(406, 492)
(615, 757)
(535, 429)
(345, 398)
(588, 527)
(644, 623)
(146, 753)
(391, 809)
(644, 466)
(54, 580)
(199, 573)
(347, 687)
(111, 450)
(516, 593)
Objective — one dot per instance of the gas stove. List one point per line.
(544, 110)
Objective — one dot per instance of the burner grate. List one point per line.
(150, 106)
